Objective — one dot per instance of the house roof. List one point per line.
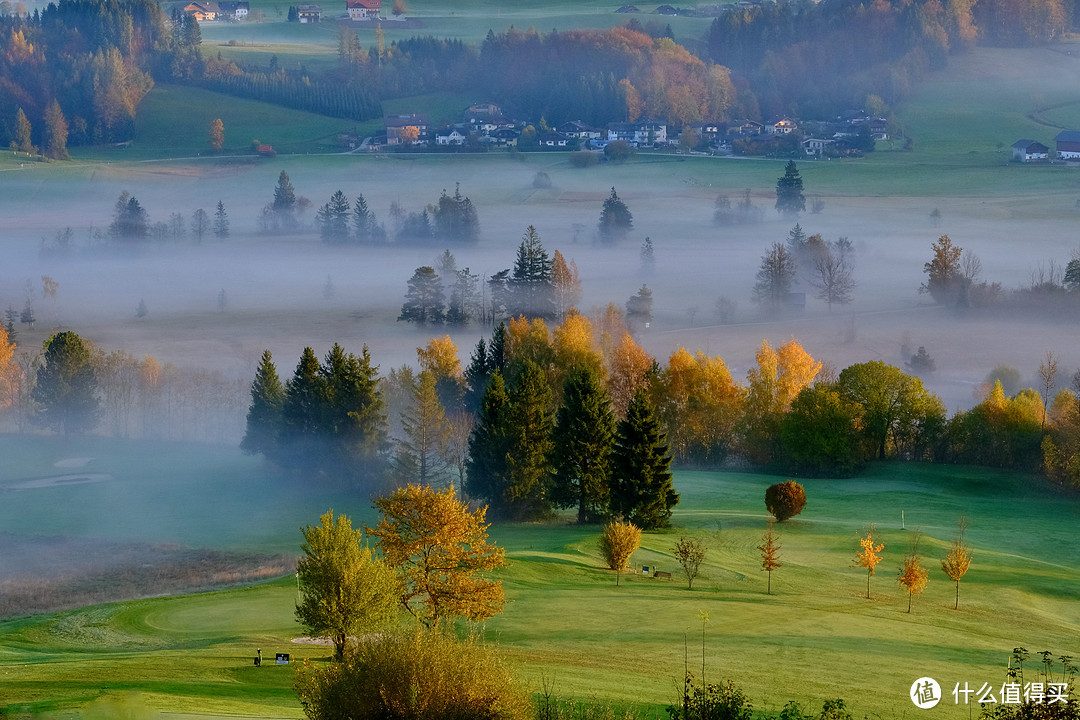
(1033, 145)
(405, 120)
(309, 8)
(1068, 136)
(207, 6)
(366, 4)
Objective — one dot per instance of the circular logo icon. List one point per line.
(925, 693)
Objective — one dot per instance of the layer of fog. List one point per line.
(275, 285)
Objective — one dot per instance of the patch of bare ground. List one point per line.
(68, 573)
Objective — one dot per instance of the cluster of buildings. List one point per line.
(1066, 147)
(210, 10)
(485, 124)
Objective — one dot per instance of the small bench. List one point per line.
(662, 575)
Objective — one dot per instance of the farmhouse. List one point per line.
(363, 9)
(638, 133)
(203, 10)
(782, 127)
(816, 147)
(579, 130)
(309, 13)
(399, 127)
(1068, 144)
(451, 136)
(1029, 151)
(233, 10)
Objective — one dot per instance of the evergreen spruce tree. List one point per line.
(424, 300)
(66, 388)
(497, 349)
(641, 481)
(355, 414)
(462, 298)
(365, 227)
(532, 292)
(639, 306)
(528, 494)
(304, 411)
(487, 470)
(332, 219)
(264, 416)
(584, 437)
(420, 456)
(283, 208)
(221, 222)
(789, 192)
(56, 132)
(615, 219)
(477, 376)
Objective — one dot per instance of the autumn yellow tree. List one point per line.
(867, 555)
(912, 575)
(529, 340)
(440, 549)
(10, 374)
(771, 387)
(440, 358)
(770, 555)
(217, 134)
(409, 134)
(628, 369)
(618, 543)
(957, 561)
(573, 348)
(700, 404)
(567, 284)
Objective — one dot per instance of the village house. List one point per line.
(398, 125)
(233, 10)
(782, 127)
(816, 147)
(363, 9)
(643, 132)
(747, 128)
(454, 135)
(1068, 144)
(309, 13)
(553, 140)
(579, 130)
(1026, 151)
(202, 11)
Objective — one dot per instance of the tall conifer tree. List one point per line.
(584, 437)
(641, 487)
(264, 417)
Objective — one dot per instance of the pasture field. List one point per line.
(815, 637)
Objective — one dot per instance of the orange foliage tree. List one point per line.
(771, 387)
(699, 403)
(770, 555)
(439, 549)
(867, 555)
(913, 576)
(628, 369)
(957, 561)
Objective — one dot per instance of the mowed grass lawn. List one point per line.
(565, 621)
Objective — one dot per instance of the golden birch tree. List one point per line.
(867, 555)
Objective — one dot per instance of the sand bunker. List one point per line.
(72, 462)
(56, 480)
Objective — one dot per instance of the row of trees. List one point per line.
(131, 223)
(451, 219)
(74, 387)
(538, 285)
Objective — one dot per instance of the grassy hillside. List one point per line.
(816, 637)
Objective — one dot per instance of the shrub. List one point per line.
(583, 158)
(417, 675)
(785, 500)
(618, 543)
(715, 701)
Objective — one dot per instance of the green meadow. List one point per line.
(565, 621)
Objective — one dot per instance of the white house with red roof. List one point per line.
(364, 9)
